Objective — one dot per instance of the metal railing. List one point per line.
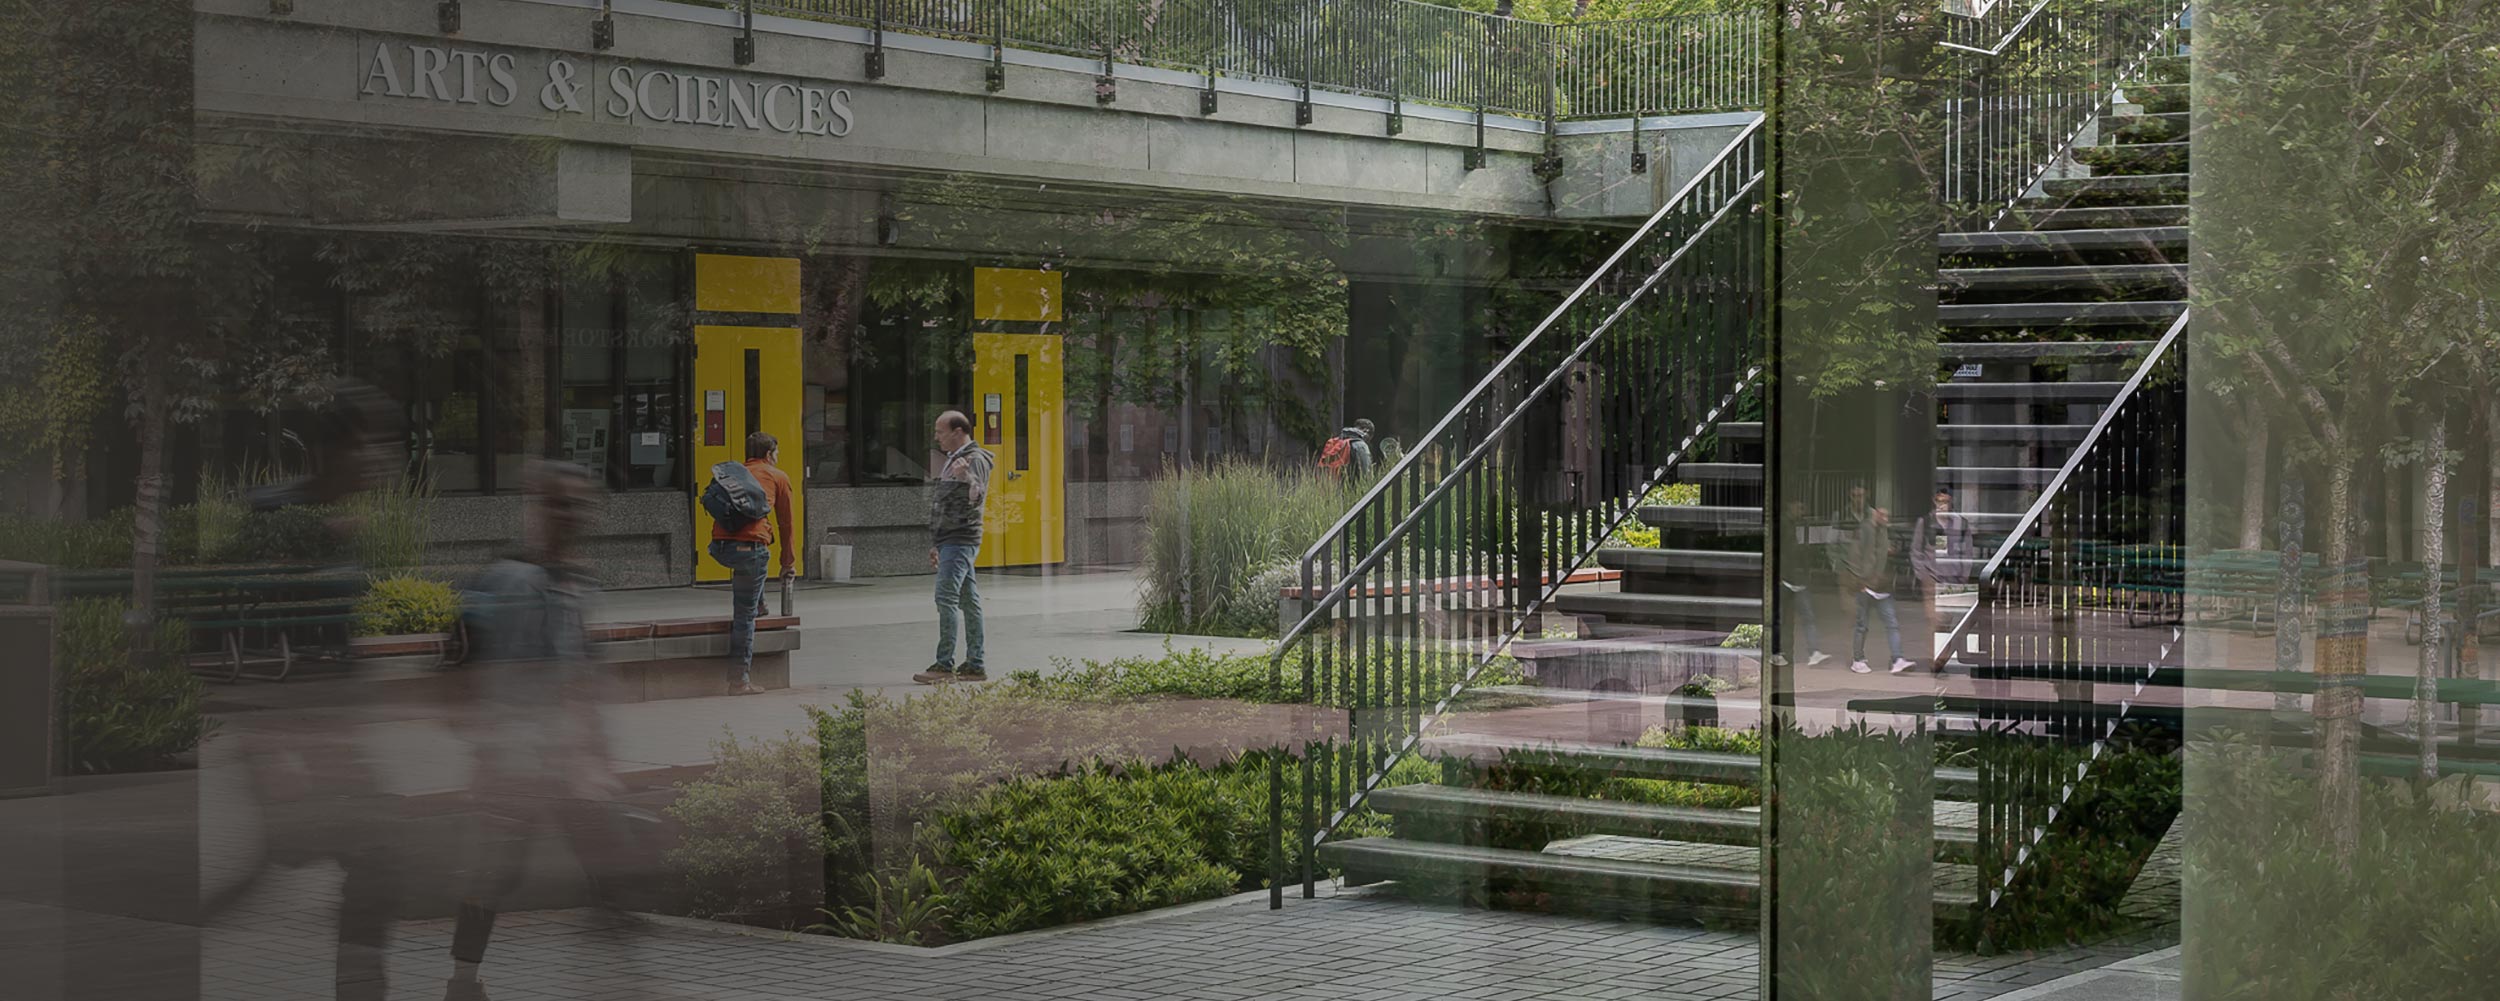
(2031, 75)
(2084, 591)
(1402, 50)
(1460, 543)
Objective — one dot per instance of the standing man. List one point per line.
(1940, 548)
(955, 496)
(1869, 572)
(748, 549)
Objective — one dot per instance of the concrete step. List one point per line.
(2065, 241)
(2029, 392)
(2169, 127)
(2135, 157)
(1572, 816)
(1578, 883)
(2108, 277)
(1955, 476)
(1675, 611)
(2012, 434)
(1701, 518)
(1987, 351)
(1665, 764)
(2103, 217)
(1688, 562)
(2134, 189)
(2047, 315)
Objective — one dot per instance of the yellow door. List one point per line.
(747, 378)
(1020, 417)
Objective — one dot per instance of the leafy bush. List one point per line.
(1245, 677)
(1746, 637)
(745, 822)
(405, 604)
(1856, 865)
(299, 534)
(91, 544)
(1221, 541)
(125, 710)
(1092, 844)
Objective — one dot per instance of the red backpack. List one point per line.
(1333, 456)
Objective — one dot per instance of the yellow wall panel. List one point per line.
(728, 284)
(1016, 295)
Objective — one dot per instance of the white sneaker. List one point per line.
(1859, 667)
(1900, 664)
(1818, 658)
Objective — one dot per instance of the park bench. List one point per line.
(248, 617)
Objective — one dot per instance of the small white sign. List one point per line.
(715, 399)
(1966, 372)
(650, 439)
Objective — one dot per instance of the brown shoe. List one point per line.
(937, 674)
(750, 688)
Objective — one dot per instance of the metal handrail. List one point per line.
(1663, 404)
(1492, 379)
(2030, 521)
(1405, 50)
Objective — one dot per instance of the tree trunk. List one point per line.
(2343, 652)
(147, 531)
(2253, 475)
(2434, 574)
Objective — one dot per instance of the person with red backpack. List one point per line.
(1349, 446)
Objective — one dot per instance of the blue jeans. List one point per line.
(1882, 607)
(958, 596)
(747, 562)
(1801, 612)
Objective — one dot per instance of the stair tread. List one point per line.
(1649, 881)
(2115, 182)
(2066, 239)
(2019, 350)
(2063, 275)
(1673, 764)
(2103, 216)
(1618, 813)
(2063, 314)
(1625, 558)
(2068, 391)
(1962, 434)
(1751, 472)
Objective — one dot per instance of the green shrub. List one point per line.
(1092, 844)
(745, 822)
(1221, 541)
(90, 544)
(1856, 862)
(391, 527)
(298, 534)
(1746, 637)
(407, 604)
(1244, 677)
(125, 710)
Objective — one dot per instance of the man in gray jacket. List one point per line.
(1868, 568)
(955, 497)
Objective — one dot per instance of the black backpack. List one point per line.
(735, 498)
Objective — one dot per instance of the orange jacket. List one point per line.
(762, 531)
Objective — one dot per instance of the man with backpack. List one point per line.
(747, 502)
(955, 497)
(1349, 446)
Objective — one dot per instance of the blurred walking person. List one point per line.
(529, 708)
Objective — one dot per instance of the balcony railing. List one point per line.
(1400, 50)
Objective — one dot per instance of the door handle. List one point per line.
(1015, 474)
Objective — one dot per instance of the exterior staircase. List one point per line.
(2042, 319)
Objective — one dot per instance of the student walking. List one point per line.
(1350, 446)
(748, 501)
(1870, 576)
(1941, 546)
(530, 714)
(955, 497)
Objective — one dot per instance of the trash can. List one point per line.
(833, 559)
(30, 684)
